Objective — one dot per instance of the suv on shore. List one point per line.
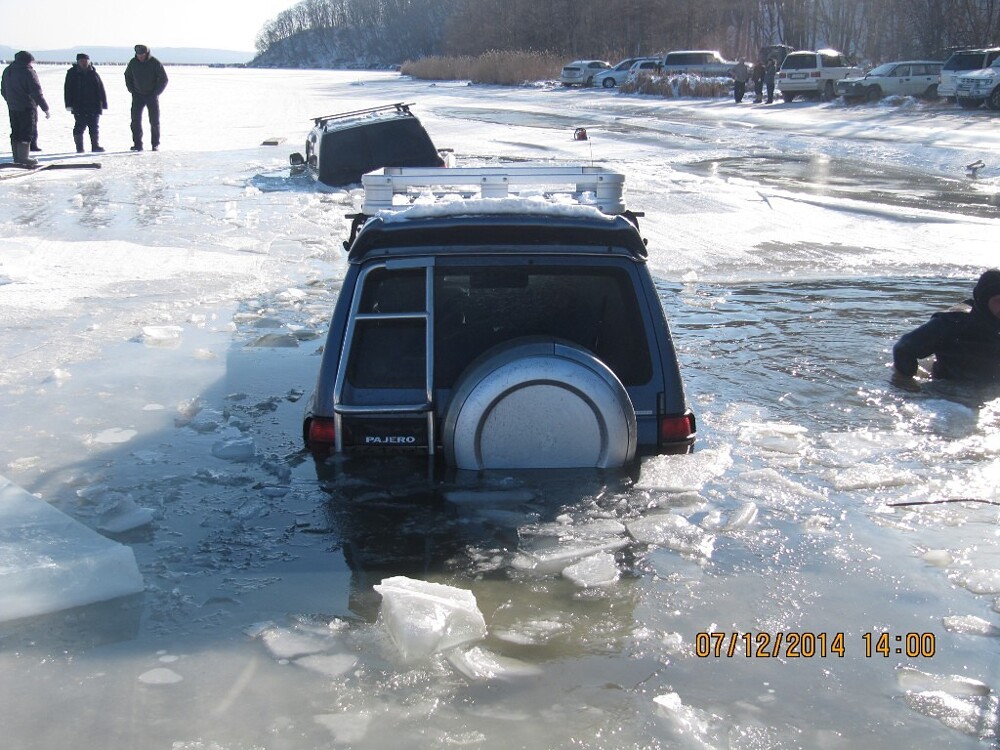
(960, 63)
(978, 87)
(701, 62)
(813, 74)
(499, 331)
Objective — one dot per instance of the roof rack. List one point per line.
(605, 185)
(400, 107)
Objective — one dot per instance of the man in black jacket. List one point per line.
(145, 79)
(19, 86)
(85, 98)
(965, 342)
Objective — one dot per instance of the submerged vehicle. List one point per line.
(340, 148)
(499, 331)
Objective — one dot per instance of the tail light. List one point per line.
(815, 74)
(677, 428)
(321, 433)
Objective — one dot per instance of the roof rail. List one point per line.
(605, 186)
(401, 107)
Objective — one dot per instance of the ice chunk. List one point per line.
(940, 558)
(687, 473)
(166, 336)
(871, 476)
(479, 664)
(980, 581)
(557, 559)
(347, 729)
(235, 449)
(775, 436)
(972, 716)
(112, 436)
(424, 618)
(49, 562)
(596, 570)
(742, 517)
(160, 676)
(286, 644)
(911, 679)
(686, 721)
(970, 625)
(124, 515)
(329, 665)
(674, 532)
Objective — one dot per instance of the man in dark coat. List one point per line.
(19, 86)
(758, 82)
(145, 79)
(85, 98)
(965, 341)
(770, 68)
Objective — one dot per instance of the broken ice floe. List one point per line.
(328, 665)
(979, 581)
(285, 643)
(559, 546)
(160, 676)
(240, 448)
(346, 728)
(112, 436)
(909, 678)
(479, 664)
(165, 336)
(424, 618)
(120, 513)
(595, 570)
(775, 436)
(976, 717)
(672, 531)
(970, 625)
(686, 721)
(687, 473)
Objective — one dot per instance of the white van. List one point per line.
(961, 62)
(700, 62)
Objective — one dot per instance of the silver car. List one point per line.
(582, 72)
(608, 79)
(903, 78)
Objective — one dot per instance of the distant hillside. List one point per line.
(167, 55)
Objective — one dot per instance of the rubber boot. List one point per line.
(94, 145)
(21, 155)
(78, 139)
(34, 145)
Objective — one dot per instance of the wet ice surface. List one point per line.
(162, 318)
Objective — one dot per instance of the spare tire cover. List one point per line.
(538, 403)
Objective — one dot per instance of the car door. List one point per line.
(900, 81)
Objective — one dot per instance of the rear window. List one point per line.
(478, 307)
(797, 61)
(965, 61)
(688, 58)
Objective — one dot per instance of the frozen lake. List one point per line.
(161, 319)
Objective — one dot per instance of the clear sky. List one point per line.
(55, 24)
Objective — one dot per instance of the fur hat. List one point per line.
(987, 287)
(24, 57)
(141, 49)
(82, 56)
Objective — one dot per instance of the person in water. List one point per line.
(965, 341)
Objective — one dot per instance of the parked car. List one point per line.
(980, 87)
(903, 78)
(340, 148)
(961, 62)
(648, 66)
(582, 72)
(620, 73)
(500, 334)
(696, 62)
(813, 73)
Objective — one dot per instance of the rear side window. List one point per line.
(478, 307)
(689, 58)
(798, 62)
(831, 61)
(387, 351)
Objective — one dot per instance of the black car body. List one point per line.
(499, 334)
(340, 148)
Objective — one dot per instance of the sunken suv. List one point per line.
(498, 331)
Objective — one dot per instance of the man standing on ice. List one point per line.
(145, 79)
(965, 340)
(85, 98)
(19, 86)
